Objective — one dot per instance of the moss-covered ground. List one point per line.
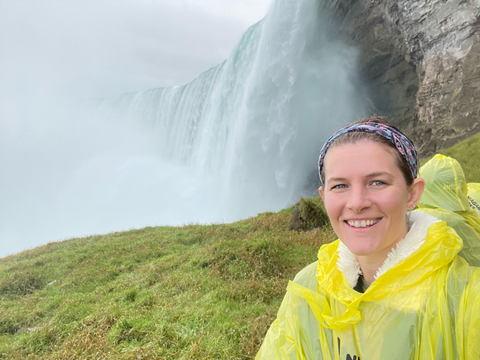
(192, 292)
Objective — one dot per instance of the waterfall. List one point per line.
(246, 133)
(240, 139)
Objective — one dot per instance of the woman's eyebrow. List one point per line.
(374, 174)
(379, 173)
(336, 179)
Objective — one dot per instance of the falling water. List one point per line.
(240, 139)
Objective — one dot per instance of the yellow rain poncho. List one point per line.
(445, 197)
(426, 307)
(473, 196)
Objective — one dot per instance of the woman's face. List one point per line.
(366, 197)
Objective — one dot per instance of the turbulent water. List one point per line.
(241, 138)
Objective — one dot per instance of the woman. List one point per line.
(392, 286)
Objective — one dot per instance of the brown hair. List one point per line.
(354, 137)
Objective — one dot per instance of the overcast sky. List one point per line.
(103, 47)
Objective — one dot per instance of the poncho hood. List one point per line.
(448, 197)
(445, 184)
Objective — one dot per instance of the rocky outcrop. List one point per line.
(421, 61)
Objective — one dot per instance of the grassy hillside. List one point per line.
(192, 292)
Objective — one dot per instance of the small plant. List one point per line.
(131, 295)
(128, 330)
(21, 284)
(8, 326)
(309, 214)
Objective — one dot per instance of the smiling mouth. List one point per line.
(362, 223)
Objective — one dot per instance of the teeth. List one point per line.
(362, 223)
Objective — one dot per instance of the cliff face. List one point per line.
(421, 60)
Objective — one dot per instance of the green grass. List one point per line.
(191, 292)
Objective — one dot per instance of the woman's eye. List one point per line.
(339, 186)
(378, 183)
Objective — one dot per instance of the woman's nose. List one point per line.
(358, 199)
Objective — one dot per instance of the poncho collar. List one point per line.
(398, 273)
(419, 223)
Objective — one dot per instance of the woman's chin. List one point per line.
(361, 248)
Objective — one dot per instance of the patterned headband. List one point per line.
(400, 141)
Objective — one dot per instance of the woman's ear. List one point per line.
(416, 191)
(320, 191)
